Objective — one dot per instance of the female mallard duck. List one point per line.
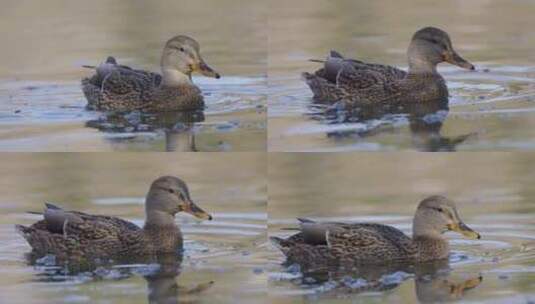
(77, 236)
(117, 87)
(359, 83)
(318, 243)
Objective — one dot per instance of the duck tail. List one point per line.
(280, 243)
(89, 67)
(335, 54)
(317, 60)
(307, 76)
(24, 231)
(304, 220)
(52, 206)
(34, 212)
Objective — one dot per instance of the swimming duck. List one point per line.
(77, 236)
(371, 243)
(117, 87)
(358, 83)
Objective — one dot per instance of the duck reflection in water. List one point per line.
(179, 127)
(162, 285)
(160, 271)
(425, 122)
(434, 281)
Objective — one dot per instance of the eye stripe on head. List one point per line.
(439, 209)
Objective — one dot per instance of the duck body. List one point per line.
(347, 243)
(80, 237)
(116, 87)
(75, 235)
(358, 83)
(121, 88)
(372, 243)
(362, 84)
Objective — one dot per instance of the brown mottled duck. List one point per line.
(116, 87)
(359, 83)
(371, 243)
(77, 236)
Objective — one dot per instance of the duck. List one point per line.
(81, 237)
(116, 87)
(373, 243)
(357, 83)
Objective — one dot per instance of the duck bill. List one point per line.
(206, 70)
(464, 230)
(191, 208)
(454, 58)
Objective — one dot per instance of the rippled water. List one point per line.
(494, 197)
(41, 103)
(224, 259)
(494, 105)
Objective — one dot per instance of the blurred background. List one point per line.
(45, 46)
(494, 196)
(495, 102)
(229, 250)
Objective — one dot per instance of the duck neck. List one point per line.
(429, 240)
(155, 218)
(174, 78)
(161, 233)
(431, 247)
(421, 67)
(420, 61)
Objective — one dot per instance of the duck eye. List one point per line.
(171, 190)
(440, 209)
(181, 49)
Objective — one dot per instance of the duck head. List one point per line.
(167, 196)
(181, 57)
(431, 46)
(436, 215)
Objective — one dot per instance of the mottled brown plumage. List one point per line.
(342, 243)
(77, 236)
(116, 87)
(358, 83)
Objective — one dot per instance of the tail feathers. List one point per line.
(291, 229)
(335, 54)
(47, 206)
(35, 212)
(280, 243)
(24, 231)
(42, 242)
(332, 54)
(307, 76)
(52, 206)
(304, 220)
(110, 60)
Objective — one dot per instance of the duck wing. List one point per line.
(114, 83)
(318, 243)
(367, 86)
(354, 80)
(72, 234)
(373, 242)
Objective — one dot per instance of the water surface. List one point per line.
(224, 259)
(495, 105)
(42, 106)
(494, 197)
